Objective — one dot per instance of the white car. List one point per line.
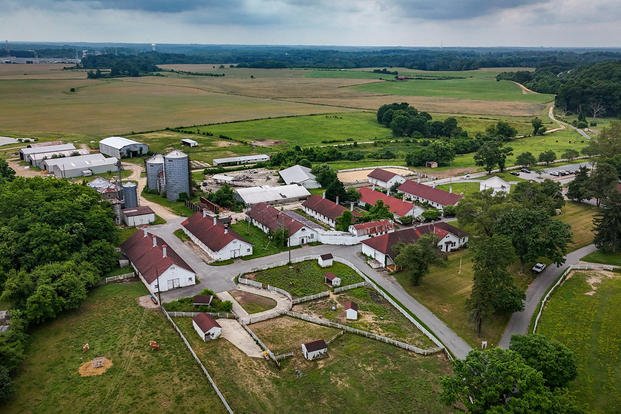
(538, 268)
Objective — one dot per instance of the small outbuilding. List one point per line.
(325, 260)
(138, 216)
(189, 142)
(202, 300)
(120, 147)
(206, 327)
(351, 311)
(315, 349)
(332, 279)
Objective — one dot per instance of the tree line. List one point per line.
(56, 240)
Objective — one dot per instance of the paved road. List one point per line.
(520, 321)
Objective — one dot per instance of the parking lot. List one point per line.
(562, 173)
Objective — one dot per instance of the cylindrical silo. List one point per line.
(130, 195)
(155, 165)
(177, 174)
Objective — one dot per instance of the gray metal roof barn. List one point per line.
(71, 167)
(177, 173)
(120, 147)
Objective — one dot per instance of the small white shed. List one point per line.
(315, 349)
(325, 260)
(206, 327)
(351, 311)
(332, 279)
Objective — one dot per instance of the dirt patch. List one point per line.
(146, 302)
(97, 366)
(224, 144)
(361, 175)
(595, 279)
(250, 300)
(266, 143)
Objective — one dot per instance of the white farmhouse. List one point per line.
(315, 349)
(214, 237)
(383, 178)
(206, 327)
(497, 184)
(158, 266)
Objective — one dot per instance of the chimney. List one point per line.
(204, 213)
(323, 195)
(144, 230)
(337, 200)
(154, 241)
(226, 230)
(351, 206)
(163, 250)
(215, 220)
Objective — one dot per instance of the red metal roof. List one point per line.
(149, 259)
(350, 305)
(205, 322)
(381, 175)
(215, 236)
(273, 218)
(436, 195)
(202, 300)
(330, 276)
(396, 206)
(324, 207)
(373, 227)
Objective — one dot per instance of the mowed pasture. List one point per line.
(139, 381)
(583, 314)
(358, 375)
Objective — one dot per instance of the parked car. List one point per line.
(539, 267)
(555, 173)
(515, 173)
(525, 170)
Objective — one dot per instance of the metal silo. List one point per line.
(155, 165)
(130, 194)
(177, 174)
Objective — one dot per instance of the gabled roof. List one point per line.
(324, 207)
(118, 142)
(138, 211)
(450, 229)
(205, 322)
(396, 206)
(381, 175)
(315, 345)
(296, 174)
(378, 226)
(350, 305)
(326, 256)
(273, 218)
(47, 149)
(436, 195)
(202, 299)
(213, 235)
(330, 276)
(149, 259)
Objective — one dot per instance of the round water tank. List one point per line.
(177, 174)
(130, 194)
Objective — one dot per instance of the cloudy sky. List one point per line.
(317, 22)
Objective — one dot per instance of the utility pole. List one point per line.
(159, 295)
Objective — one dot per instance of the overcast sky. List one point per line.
(317, 22)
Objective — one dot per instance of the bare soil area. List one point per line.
(361, 175)
(93, 367)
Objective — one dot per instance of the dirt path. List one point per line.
(160, 210)
(233, 332)
(525, 90)
(359, 176)
(24, 171)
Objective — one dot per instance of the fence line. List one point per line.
(261, 344)
(350, 287)
(199, 362)
(223, 315)
(255, 319)
(338, 334)
(380, 338)
(125, 276)
(259, 285)
(310, 297)
(559, 282)
(285, 355)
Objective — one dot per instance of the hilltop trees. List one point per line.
(407, 121)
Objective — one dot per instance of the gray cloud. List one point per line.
(456, 10)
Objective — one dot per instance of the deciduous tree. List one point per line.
(608, 225)
(526, 159)
(547, 157)
(416, 258)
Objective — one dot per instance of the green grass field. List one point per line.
(306, 278)
(584, 314)
(580, 218)
(359, 375)
(604, 258)
(261, 244)
(461, 188)
(139, 381)
(375, 315)
(177, 207)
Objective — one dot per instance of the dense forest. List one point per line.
(589, 90)
(56, 241)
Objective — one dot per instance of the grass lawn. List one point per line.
(445, 291)
(177, 207)
(252, 303)
(359, 375)
(139, 381)
(605, 258)
(580, 218)
(588, 323)
(181, 235)
(375, 315)
(261, 244)
(306, 278)
(126, 232)
(459, 188)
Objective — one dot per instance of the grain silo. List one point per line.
(130, 195)
(177, 174)
(155, 166)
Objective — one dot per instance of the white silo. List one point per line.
(177, 174)
(155, 166)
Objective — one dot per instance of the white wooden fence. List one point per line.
(199, 362)
(320, 295)
(223, 315)
(346, 328)
(259, 285)
(125, 276)
(350, 287)
(261, 344)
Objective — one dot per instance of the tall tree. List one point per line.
(570, 154)
(538, 128)
(526, 159)
(608, 225)
(608, 142)
(6, 173)
(417, 257)
(547, 157)
(480, 211)
(547, 195)
(603, 181)
(344, 221)
(554, 360)
(492, 153)
(580, 188)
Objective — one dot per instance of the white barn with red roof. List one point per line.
(217, 240)
(206, 327)
(323, 209)
(384, 178)
(372, 228)
(158, 266)
(269, 220)
(382, 248)
(397, 207)
(423, 193)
